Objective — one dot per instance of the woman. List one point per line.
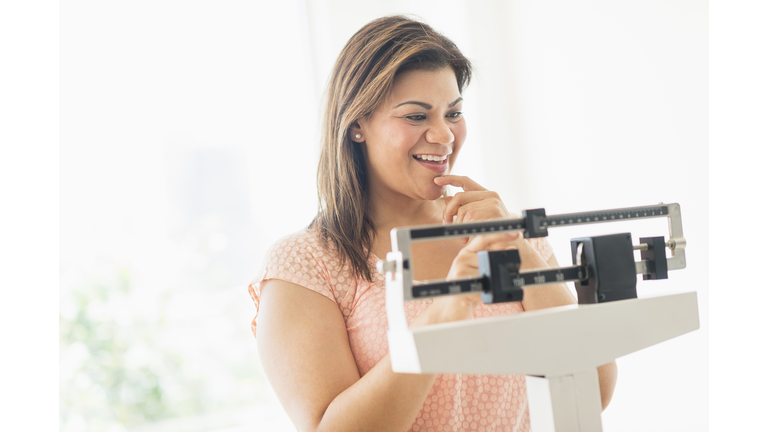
(392, 130)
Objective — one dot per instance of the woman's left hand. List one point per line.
(479, 204)
(476, 203)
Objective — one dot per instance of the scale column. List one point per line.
(565, 403)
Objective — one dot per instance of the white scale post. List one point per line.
(558, 349)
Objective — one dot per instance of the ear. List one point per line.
(356, 130)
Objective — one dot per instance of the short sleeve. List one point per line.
(298, 259)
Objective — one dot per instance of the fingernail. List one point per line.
(438, 178)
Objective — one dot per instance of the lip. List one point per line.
(441, 167)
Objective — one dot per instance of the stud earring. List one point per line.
(357, 136)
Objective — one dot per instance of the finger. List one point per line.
(467, 257)
(478, 211)
(464, 198)
(466, 260)
(463, 182)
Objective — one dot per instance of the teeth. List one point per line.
(432, 158)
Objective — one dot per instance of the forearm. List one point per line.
(546, 296)
(381, 400)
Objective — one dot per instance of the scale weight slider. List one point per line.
(501, 268)
(610, 265)
(655, 254)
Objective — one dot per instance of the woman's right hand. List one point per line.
(460, 307)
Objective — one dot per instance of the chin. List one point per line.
(433, 194)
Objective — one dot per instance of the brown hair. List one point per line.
(362, 78)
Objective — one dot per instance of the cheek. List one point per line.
(397, 143)
(459, 135)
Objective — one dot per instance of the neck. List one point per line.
(390, 210)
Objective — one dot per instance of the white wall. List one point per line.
(187, 148)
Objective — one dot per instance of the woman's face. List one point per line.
(415, 135)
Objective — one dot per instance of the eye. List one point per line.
(455, 115)
(416, 117)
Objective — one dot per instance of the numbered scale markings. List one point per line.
(507, 225)
(519, 280)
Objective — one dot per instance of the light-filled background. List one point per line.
(189, 144)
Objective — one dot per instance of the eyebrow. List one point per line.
(428, 106)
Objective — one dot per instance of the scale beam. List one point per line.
(535, 223)
(479, 284)
(399, 273)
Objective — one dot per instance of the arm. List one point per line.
(545, 296)
(477, 203)
(559, 295)
(304, 349)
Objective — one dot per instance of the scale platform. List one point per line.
(560, 348)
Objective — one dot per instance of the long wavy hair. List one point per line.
(361, 80)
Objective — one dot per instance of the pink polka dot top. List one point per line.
(455, 402)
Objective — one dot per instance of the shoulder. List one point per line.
(300, 259)
(300, 255)
(304, 242)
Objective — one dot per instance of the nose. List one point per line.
(439, 133)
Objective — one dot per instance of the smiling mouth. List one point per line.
(438, 164)
(431, 159)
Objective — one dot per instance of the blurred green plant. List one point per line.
(114, 371)
(177, 354)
